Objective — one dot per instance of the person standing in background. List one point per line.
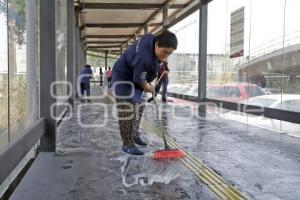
(104, 76)
(86, 73)
(163, 73)
(163, 80)
(109, 76)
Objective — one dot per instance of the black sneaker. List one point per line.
(132, 150)
(139, 141)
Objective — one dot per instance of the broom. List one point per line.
(167, 153)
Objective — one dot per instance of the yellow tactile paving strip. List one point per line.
(206, 175)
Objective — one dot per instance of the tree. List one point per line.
(16, 14)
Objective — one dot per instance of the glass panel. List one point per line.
(291, 62)
(216, 49)
(183, 63)
(290, 74)
(3, 76)
(263, 68)
(267, 70)
(227, 50)
(17, 66)
(19, 70)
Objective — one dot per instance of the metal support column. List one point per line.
(84, 53)
(165, 17)
(47, 72)
(76, 58)
(70, 49)
(76, 45)
(106, 67)
(202, 69)
(81, 54)
(146, 29)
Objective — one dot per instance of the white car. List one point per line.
(290, 102)
(179, 88)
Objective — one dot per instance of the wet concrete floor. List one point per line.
(88, 163)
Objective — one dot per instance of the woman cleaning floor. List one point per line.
(132, 73)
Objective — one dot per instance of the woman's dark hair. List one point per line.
(89, 66)
(167, 39)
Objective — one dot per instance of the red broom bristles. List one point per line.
(168, 154)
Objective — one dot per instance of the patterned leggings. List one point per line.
(129, 115)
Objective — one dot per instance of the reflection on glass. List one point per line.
(183, 63)
(226, 49)
(17, 66)
(264, 64)
(3, 76)
(291, 59)
(267, 72)
(252, 70)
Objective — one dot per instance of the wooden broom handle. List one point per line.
(160, 78)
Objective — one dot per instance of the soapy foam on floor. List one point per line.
(144, 170)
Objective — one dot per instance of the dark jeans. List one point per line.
(109, 81)
(101, 79)
(164, 82)
(85, 87)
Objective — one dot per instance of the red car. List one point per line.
(234, 92)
